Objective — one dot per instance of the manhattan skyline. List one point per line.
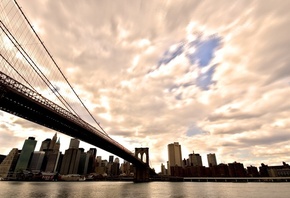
(213, 76)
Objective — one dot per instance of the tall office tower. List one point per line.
(52, 161)
(115, 168)
(92, 160)
(195, 159)
(126, 168)
(163, 169)
(53, 142)
(71, 158)
(111, 159)
(84, 161)
(52, 155)
(116, 160)
(57, 145)
(99, 161)
(8, 164)
(74, 143)
(174, 155)
(36, 160)
(45, 145)
(25, 155)
(211, 159)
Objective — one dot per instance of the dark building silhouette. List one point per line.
(275, 171)
(177, 171)
(252, 171)
(51, 149)
(84, 161)
(264, 170)
(211, 159)
(71, 159)
(237, 170)
(7, 166)
(92, 160)
(221, 170)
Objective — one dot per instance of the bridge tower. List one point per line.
(141, 173)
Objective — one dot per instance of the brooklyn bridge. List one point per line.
(33, 87)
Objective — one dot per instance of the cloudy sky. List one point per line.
(211, 75)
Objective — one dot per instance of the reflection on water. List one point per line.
(143, 190)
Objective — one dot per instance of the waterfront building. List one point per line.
(74, 143)
(45, 145)
(195, 159)
(7, 166)
(52, 162)
(237, 170)
(52, 145)
(115, 168)
(36, 160)
(25, 155)
(125, 168)
(252, 171)
(52, 155)
(92, 160)
(102, 167)
(163, 169)
(99, 161)
(71, 158)
(275, 171)
(111, 159)
(174, 155)
(84, 161)
(211, 159)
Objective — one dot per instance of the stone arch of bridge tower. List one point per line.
(142, 154)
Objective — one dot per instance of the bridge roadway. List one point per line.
(19, 100)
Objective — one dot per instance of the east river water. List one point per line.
(143, 190)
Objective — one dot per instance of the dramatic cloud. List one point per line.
(213, 76)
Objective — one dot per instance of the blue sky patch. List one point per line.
(204, 50)
(202, 55)
(169, 55)
(193, 130)
(205, 80)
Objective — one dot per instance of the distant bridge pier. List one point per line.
(141, 173)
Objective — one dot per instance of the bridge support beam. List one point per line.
(141, 174)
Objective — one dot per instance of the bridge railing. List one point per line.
(18, 87)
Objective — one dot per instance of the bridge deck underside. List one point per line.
(20, 105)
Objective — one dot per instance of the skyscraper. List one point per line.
(45, 145)
(195, 159)
(71, 158)
(174, 155)
(51, 149)
(53, 142)
(92, 160)
(74, 143)
(36, 160)
(8, 164)
(84, 161)
(211, 159)
(111, 159)
(25, 155)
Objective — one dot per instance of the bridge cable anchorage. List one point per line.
(59, 68)
(42, 76)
